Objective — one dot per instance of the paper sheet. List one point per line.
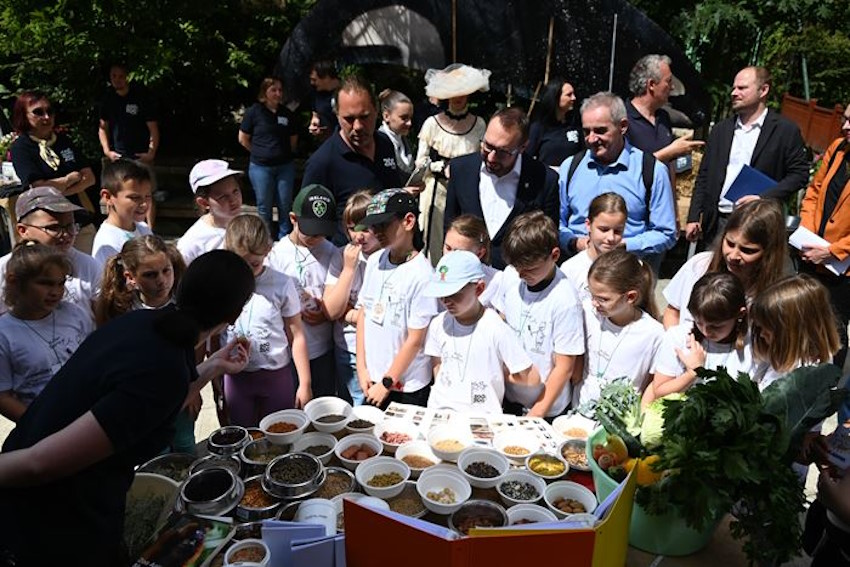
(804, 237)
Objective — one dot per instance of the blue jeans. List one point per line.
(346, 372)
(274, 184)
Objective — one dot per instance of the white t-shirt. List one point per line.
(614, 352)
(678, 291)
(473, 359)
(576, 269)
(548, 322)
(717, 354)
(345, 334)
(81, 288)
(393, 302)
(493, 279)
(200, 238)
(261, 321)
(309, 268)
(110, 239)
(31, 352)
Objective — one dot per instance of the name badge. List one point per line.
(379, 311)
(282, 121)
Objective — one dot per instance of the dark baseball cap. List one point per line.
(315, 209)
(387, 205)
(46, 198)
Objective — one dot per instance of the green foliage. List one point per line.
(202, 59)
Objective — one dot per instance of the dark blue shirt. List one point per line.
(646, 136)
(270, 134)
(551, 144)
(128, 117)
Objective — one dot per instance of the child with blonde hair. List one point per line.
(469, 232)
(271, 323)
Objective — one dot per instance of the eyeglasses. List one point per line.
(501, 153)
(42, 112)
(57, 230)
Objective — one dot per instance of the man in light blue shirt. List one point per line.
(612, 164)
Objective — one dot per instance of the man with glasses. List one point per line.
(500, 183)
(46, 216)
(612, 164)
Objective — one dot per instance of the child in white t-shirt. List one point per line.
(717, 337)
(144, 275)
(468, 232)
(219, 196)
(621, 332)
(270, 318)
(394, 313)
(127, 193)
(306, 255)
(540, 305)
(474, 352)
(40, 332)
(606, 221)
(342, 290)
(46, 216)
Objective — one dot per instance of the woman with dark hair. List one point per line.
(109, 408)
(43, 157)
(269, 133)
(555, 132)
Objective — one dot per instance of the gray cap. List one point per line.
(46, 198)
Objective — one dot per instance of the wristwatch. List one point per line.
(387, 382)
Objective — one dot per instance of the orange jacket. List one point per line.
(837, 231)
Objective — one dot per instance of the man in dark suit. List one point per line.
(500, 183)
(753, 136)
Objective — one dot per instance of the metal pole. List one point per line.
(613, 47)
(805, 77)
(454, 31)
(549, 50)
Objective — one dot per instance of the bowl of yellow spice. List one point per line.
(546, 465)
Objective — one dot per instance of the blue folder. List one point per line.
(750, 181)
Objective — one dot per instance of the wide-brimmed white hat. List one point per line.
(456, 80)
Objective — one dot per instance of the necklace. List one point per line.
(51, 344)
(600, 374)
(242, 328)
(462, 371)
(301, 261)
(459, 116)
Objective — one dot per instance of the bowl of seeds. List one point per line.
(443, 489)
(257, 455)
(295, 475)
(408, 502)
(418, 456)
(482, 467)
(363, 419)
(520, 487)
(565, 498)
(447, 440)
(256, 503)
(328, 414)
(382, 477)
(337, 481)
(317, 444)
(516, 444)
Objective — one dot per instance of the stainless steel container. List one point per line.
(257, 455)
(294, 490)
(228, 440)
(336, 471)
(492, 514)
(214, 492)
(172, 465)
(230, 462)
(247, 513)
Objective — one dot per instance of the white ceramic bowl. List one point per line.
(516, 438)
(485, 455)
(541, 454)
(245, 543)
(522, 476)
(313, 439)
(436, 479)
(446, 432)
(369, 413)
(294, 416)
(361, 499)
(533, 512)
(579, 445)
(395, 425)
(574, 426)
(572, 490)
(418, 448)
(382, 465)
(357, 439)
(324, 406)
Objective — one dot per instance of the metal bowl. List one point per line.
(171, 465)
(336, 471)
(246, 513)
(228, 440)
(214, 492)
(226, 462)
(494, 515)
(257, 455)
(297, 489)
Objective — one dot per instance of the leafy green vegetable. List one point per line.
(652, 428)
(618, 411)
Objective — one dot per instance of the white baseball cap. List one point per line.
(453, 271)
(209, 171)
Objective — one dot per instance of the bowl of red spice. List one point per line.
(284, 427)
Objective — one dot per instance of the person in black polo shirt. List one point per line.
(269, 132)
(555, 132)
(356, 156)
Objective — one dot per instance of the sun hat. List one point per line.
(46, 198)
(453, 271)
(315, 209)
(209, 171)
(456, 80)
(386, 205)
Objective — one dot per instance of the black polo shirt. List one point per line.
(646, 136)
(128, 118)
(270, 133)
(551, 144)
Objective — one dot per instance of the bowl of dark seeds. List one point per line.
(328, 414)
(228, 440)
(293, 476)
(317, 444)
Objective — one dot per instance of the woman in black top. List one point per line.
(66, 468)
(555, 132)
(43, 157)
(268, 132)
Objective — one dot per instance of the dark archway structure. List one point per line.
(509, 37)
